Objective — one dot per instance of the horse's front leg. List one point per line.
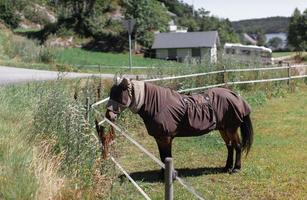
(165, 149)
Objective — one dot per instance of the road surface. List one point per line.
(12, 75)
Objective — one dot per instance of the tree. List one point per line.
(150, 16)
(261, 38)
(297, 34)
(275, 43)
(8, 12)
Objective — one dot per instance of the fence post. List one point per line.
(225, 76)
(168, 178)
(289, 76)
(87, 114)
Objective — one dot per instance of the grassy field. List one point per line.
(30, 169)
(77, 56)
(282, 54)
(46, 151)
(274, 169)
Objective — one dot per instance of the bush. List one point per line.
(22, 48)
(47, 54)
(8, 13)
(27, 50)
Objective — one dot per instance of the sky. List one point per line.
(247, 9)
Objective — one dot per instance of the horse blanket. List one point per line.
(165, 112)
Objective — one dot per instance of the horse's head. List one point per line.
(120, 98)
(106, 138)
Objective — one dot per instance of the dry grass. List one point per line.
(46, 169)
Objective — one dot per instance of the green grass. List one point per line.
(40, 143)
(282, 54)
(17, 180)
(77, 56)
(274, 169)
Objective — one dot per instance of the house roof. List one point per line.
(185, 40)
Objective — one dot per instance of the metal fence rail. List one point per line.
(144, 150)
(130, 179)
(222, 84)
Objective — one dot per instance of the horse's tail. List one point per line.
(247, 133)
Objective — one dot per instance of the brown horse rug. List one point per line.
(167, 113)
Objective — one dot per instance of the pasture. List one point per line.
(45, 153)
(274, 169)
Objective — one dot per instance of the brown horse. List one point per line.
(168, 114)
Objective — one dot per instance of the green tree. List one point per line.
(298, 30)
(275, 43)
(8, 12)
(150, 16)
(261, 38)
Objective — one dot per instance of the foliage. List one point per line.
(268, 25)
(275, 43)
(8, 13)
(261, 38)
(26, 50)
(297, 36)
(200, 20)
(150, 16)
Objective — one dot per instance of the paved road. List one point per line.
(11, 75)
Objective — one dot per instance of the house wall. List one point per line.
(207, 54)
(213, 53)
(161, 53)
(183, 53)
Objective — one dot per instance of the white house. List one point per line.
(201, 46)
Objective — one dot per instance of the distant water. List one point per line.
(282, 36)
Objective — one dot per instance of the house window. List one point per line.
(172, 54)
(245, 52)
(196, 52)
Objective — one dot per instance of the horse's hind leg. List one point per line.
(230, 149)
(238, 147)
(235, 142)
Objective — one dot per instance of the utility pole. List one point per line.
(129, 25)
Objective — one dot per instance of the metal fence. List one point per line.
(170, 172)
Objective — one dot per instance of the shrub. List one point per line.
(8, 13)
(47, 54)
(27, 50)
(20, 47)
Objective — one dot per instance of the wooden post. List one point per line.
(289, 76)
(87, 114)
(225, 77)
(168, 178)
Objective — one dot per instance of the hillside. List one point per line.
(268, 25)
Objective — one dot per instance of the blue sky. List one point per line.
(246, 9)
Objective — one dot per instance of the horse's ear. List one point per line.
(125, 83)
(117, 79)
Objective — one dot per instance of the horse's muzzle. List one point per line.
(110, 115)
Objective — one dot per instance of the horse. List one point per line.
(168, 114)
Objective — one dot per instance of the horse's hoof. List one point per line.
(235, 170)
(227, 170)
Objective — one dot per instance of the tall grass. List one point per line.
(47, 148)
(18, 176)
(24, 50)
